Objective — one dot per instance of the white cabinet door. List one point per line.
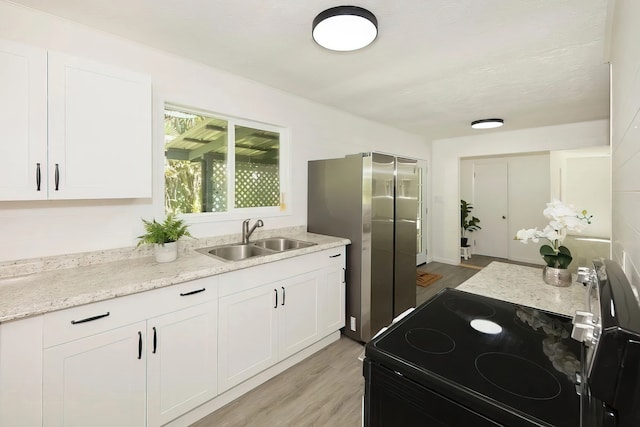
(21, 372)
(298, 313)
(99, 130)
(23, 122)
(182, 361)
(96, 381)
(333, 299)
(247, 340)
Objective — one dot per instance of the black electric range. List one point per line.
(462, 359)
(497, 360)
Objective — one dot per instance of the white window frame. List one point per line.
(233, 213)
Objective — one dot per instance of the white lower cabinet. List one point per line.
(265, 324)
(145, 373)
(247, 338)
(96, 381)
(333, 298)
(181, 362)
(150, 358)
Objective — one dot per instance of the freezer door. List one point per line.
(406, 210)
(382, 231)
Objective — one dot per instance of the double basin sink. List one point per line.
(241, 251)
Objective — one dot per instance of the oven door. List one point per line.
(594, 412)
(392, 400)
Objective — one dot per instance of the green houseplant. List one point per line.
(164, 237)
(468, 222)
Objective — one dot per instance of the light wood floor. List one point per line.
(325, 389)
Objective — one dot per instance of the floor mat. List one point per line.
(425, 279)
(476, 267)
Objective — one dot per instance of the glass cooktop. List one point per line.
(477, 349)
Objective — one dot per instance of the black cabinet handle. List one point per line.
(197, 291)
(155, 340)
(276, 291)
(89, 319)
(139, 345)
(38, 177)
(344, 275)
(57, 177)
(335, 256)
(283, 295)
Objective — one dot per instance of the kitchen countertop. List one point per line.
(523, 285)
(59, 288)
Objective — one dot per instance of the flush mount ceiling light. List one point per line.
(487, 123)
(345, 28)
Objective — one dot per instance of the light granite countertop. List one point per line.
(523, 285)
(58, 288)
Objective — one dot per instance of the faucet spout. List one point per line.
(247, 232)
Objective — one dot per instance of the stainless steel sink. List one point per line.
(236, 252)
(281, 244)
(240, 251)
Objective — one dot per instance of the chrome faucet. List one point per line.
(246, 232)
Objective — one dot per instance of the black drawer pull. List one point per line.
(57, 177)
(139, 345)
(155, 340)
(38, 177)
(89, 319)
(335, 256)
(197, 291)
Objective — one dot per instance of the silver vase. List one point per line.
(556, 276)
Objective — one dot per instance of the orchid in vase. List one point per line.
(562, 220)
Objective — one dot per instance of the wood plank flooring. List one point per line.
(325, 389)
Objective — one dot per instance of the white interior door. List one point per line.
(490, 202)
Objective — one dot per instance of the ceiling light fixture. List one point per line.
(345, 28)
(487, 123)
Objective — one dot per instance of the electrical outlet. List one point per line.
(353, 323)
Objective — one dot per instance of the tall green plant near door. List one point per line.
(468, 222)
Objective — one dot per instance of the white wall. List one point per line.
(445, 171)
(583, 178)
(34, 229)
(625, 137)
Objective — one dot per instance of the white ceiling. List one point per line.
(435, 66)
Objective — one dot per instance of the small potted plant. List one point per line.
(563, 219)
(164, 237)
(468, 222)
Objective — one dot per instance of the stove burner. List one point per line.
(518, 376)
(467, 308)
(430, 341)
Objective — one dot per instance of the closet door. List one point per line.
(490, 202)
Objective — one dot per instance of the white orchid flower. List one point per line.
(563, 219)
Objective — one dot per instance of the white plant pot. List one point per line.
(166, 253)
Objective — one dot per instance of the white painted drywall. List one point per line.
(625, 138)
(34, 229)
(445, 171)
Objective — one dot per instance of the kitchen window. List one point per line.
(215, 164)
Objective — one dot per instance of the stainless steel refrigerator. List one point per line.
(371, 199)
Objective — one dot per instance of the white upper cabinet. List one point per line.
(99, 131)
(72, 128)
(23, 120)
